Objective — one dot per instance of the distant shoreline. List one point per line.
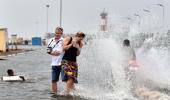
(13, 52)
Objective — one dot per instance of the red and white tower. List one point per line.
(104, 17)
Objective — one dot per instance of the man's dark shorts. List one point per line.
(56, 73)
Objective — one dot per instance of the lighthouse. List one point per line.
(104, 17)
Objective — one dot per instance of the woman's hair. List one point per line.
(80, 34)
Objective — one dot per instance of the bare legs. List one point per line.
(54, 87)
(70, 85)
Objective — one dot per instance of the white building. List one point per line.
(3, 39)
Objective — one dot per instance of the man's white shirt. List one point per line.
(57, 46)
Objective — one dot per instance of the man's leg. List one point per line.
(55, 77)
(54, 87)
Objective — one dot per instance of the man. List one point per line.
(130, 51)
(12, 77)
(55, 49)
(129, 63)
(129, 54)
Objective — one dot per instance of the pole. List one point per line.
(129, 19)
(36, 25)
(47, 6)
(149, 19)
(163, 16)
(139, 18)
(61, 13)
(163, 13)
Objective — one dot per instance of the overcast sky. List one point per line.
(26, 17)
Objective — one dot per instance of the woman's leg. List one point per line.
(70, 85)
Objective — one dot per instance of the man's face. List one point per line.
(58, 33)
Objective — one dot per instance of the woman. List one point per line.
(72, 47)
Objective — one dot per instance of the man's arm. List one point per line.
(22, 77)
(55, 53)
(59, 49)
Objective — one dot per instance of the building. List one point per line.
(36, 41)
(3, 39)
(104, 17)
(14, 41)
(20, 41)
(14, 38)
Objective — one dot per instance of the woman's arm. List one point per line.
(66, 46)
(79, 48)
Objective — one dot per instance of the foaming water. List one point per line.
(155, 66)
(154, 70)
(104, 78)
(102, 70)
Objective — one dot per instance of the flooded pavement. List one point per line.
(101, 75)
(35, 66)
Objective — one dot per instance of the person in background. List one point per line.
(130, 64)
(129, 54)
(72, 47)
(12, 77)
(55, 49)
(10, 72)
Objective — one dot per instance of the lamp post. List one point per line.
(148, 11)
(129, 22)
(138, 17)
(61, 8)
(47, 6)
(145, 10)
(36, 27)
(163, 13)
(128, 18)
